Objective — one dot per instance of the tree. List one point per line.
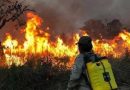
(98, 29)
(11, 11)
(95, 28)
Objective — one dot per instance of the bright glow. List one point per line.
(38, 42)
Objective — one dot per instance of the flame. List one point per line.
(9, 42)
(116, 47)
(38, 42)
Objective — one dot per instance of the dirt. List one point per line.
(124, 88)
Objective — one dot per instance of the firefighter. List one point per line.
(78, 78)
(1, 51)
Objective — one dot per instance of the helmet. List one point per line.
(84, 40)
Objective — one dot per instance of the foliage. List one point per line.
(121, 69)
(99, 29)
(37, 76)
(41, 77)
(11, 11)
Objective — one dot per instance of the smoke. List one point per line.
(70, 15)
(67, 16)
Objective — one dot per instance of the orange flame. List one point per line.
(38, 43)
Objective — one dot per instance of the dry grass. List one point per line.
(46, 77)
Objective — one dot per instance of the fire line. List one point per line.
(38, 43)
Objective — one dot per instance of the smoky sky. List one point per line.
(76, 12)
(67, 16)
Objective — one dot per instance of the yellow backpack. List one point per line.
(100, 75)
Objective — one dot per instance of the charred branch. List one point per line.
(11, 11)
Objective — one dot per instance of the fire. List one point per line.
(9, 42)
(38, 43)
(116, 47)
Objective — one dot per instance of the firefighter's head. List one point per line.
(85, 44)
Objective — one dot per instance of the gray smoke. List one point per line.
(67, 16)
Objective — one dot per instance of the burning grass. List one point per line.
(40, 63)
(37, 41)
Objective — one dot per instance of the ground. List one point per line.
(46, 77)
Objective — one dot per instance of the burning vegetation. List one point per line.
(38, 43)
(39, 58)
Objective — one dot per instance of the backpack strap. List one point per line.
(86, 77)
(87, 59)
